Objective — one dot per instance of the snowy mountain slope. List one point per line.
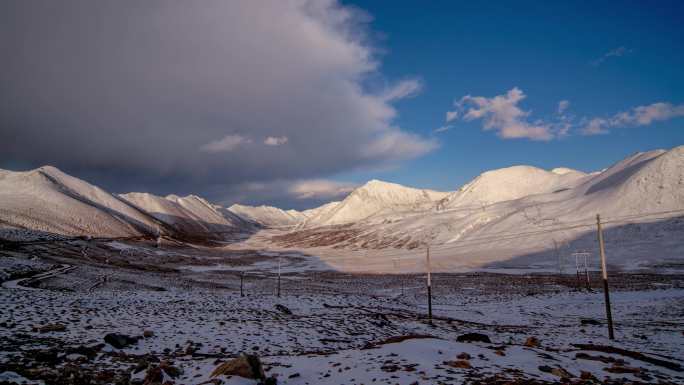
(373, 198)
(214, 216)
(50, 201)
(509, 183)
(626, 194)
(191, 215)
(268, 216)
(166, 211)
(320, 209)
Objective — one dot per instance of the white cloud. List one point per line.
(596, 126)
(451, 115)
(320, 189)
(403, 89)
(398, 145)
(442, 129)
(275, 140)
(226, 144)
(615, 52)
(502, 114)
(644, 115)
(637, 116)
(563, 105)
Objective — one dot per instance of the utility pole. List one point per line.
(558, 256)
(429, 284)
(586, 273)
(159, 238)
(396, 268)
(605, 277)
(278, 293)
(577, 269)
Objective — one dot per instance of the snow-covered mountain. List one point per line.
(268, 216)
(371, 199)
(508, 184)
(46, 201)
(501, 215)
(495, 219)
(190, 215)
(49, 201)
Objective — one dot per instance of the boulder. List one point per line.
(246, 366)
(532, 342)
(54, 327)
(120, 341)
(562, 373)
(473, 337)
(283, 309)
(461, 364)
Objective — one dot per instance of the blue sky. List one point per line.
(552, 51)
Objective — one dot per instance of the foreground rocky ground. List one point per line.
(87, 312)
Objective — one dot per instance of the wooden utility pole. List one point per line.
(605, 277)
(429, 284)
(278, 293)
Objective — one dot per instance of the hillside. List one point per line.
(267, 216)
(640, 198)
(371, 199)
(508, 184)
(50, 202)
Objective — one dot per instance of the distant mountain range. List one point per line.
(644, 188)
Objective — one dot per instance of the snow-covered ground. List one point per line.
(343, 328)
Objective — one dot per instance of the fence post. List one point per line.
(605, 278)
(429, 284)
(278, 293)
(242, 278)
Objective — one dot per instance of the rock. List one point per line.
(560, 372)
(269, 381)
(463, 356)
(47, 356)
(461, 364)
(589, 321)
(246, 366)
(156, 374)
(120, 341)
(587, 375)
(532, 342)
(213, 381)
(283, 309)
(622, 369)
(473, 337)
(545, 369)
(55, 327)
(148, 334)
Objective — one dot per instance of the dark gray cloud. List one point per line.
(178, 96)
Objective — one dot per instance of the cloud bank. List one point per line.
(195, 97)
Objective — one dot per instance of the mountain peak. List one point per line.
(565, 170)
